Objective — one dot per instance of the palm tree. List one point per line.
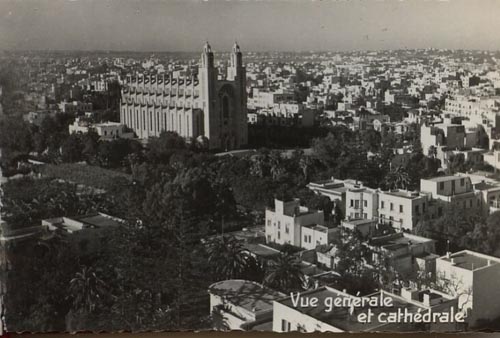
(397, 179)
(228, 257)
(284, 274)
(87, 290)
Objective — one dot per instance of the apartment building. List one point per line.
(402, 209)
(479, 110)
(361, 202)
(75, 107)
(473, 278)
(405, 253)
(455, 191)
(333, 188)
(285, 223)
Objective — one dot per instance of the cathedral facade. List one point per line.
(204, 108)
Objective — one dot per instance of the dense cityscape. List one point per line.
(168, 191)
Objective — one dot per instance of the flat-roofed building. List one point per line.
(473, 278)
(315, 234)
(79, 223)
(237, 304)
(402, 209)
(361, 202)
(366, 227)
(400, 250)
(106, 130)
(285, 221)
(454, 190)
(321, 318)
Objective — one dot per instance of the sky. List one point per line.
(257, 25)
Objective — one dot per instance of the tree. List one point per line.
(87, 290)
(161, 148)
(284, 274)
(229, 259)
(456, 163)
(349, 254)
(397, 179)
(15, 138)
(71, 149)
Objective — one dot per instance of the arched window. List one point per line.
(225, 107)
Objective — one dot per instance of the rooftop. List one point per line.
(398, 240)
(261, 250)
(471, 260)
(340, 317)
(89, 221)
(403, 193)
(97, 220)
(442, 178)
(249, 295)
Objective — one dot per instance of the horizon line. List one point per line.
(252, 51)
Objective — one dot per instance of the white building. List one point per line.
(285, 223)
(79, 223)
(322, 318)
(473, 278)
(75, 106)
(361, 202)
(455, 191)
(105, 130)
(402, 208)
(242, 305)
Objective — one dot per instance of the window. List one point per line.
(441, 185)
(365, 215)
(382, 204)
(285, 325)
(287, 230)
(279, 235)
(365, 203)
(279, 224)
(356, 204)
(400, 208)
(352, 203)
(391, 207)
(305, 238)
(310, 239)
(225, 107)
(462, 182)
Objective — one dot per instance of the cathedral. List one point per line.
(208, 108)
